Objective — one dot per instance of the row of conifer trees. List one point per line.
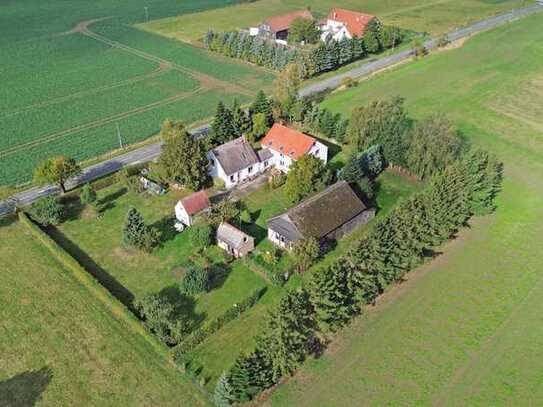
(312, 59)
(333, 295)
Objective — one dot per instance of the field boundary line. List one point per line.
(99, 123)
(162, 69)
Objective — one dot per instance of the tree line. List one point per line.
(312, 59)
(300, 325)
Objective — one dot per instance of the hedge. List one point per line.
(87, 280)
(201, 334)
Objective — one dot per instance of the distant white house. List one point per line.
(286, 145)
(236, 161)
(187, 208)
(342, 23)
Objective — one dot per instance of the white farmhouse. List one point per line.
(286, 145)
(236, 161)
(342, 23)
(187, 208)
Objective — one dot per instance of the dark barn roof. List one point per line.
(319, 215)
(235, 155)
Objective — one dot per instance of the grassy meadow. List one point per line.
(65, 92)
(62, 347)
(430, 16)
(463, 329)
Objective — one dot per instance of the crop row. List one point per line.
(18, 167)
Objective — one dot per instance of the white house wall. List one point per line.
(182, 215)
(320, 151)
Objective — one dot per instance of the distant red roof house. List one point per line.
(282, 22)
(196, 202)
(287, 141)
(354, 21)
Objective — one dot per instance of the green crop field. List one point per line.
(465, 329)
(68, 81)
(62, 347)
(431, 16)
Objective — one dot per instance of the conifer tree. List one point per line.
(134, 229)
(222, 396)
(485, 179)
(262, 105)
(240, 120)
(239, 379)
(222, 126)
(332, 296)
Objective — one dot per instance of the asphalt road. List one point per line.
(152, 151)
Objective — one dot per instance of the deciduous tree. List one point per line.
(306, 176)
(57, 170)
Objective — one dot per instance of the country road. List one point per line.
(150, 152)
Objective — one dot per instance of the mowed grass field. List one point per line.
(68, 87)
(432, 16)
(465, 329)
(62, 347)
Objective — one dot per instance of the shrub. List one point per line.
(277, 180)
(348, 82)
(88, 195)
(47, 211)
(219, 183)
(195, 281)
(201, 235)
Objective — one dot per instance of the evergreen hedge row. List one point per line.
(312, 59)
(118, 310)
(335, 294)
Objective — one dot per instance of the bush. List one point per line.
(195, 281)
(278, 180)
(201, 235)
(87, 195)
(219, 183)
(349, 82)
(47, 211)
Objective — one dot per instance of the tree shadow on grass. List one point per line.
(108, 201)
(103, 277)
(72, 208)
(166, 228)
(184, 306)
(25, 389)
(219, 275)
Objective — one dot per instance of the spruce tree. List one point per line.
(222, 396)
(332, 296)
(134, 229)
(240, 120)
(239, 379)
(222, 126)
(262, 105)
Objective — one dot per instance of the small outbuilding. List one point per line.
(234, 241)
(187, 208)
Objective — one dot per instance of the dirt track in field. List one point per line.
(206, 83)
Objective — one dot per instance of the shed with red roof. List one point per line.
(187, 208)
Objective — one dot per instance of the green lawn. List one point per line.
(130, 273)
(464, 329)
(61, 346)
(434, 16)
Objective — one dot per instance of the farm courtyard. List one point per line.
(464, 329)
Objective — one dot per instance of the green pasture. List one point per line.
(463, 329)
(61, 346)
(430, 16)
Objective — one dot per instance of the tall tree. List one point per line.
(262, 105)
(222, 128)
(57, 170)
(240, 120)
(287, 85)
(222, 396)
(306, 176)
(183, 158)
(434, 144)
(306, 252)
(383, 122)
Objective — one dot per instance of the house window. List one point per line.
(211, 162)
(282, 163)
(250, 169)
(265, 163)
(232, 178)
(317, 152)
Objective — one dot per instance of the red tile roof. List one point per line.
(196, 202)
(354, 21)
(282, 22)
(290, 142)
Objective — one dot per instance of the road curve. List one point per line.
(152, 151)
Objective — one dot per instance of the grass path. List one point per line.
(465, 330)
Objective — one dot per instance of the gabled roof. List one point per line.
(354, 21)
(290, 142)
(235, 155)
(282, 22)
(231, 235)
(195, 203)
(319, 215)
